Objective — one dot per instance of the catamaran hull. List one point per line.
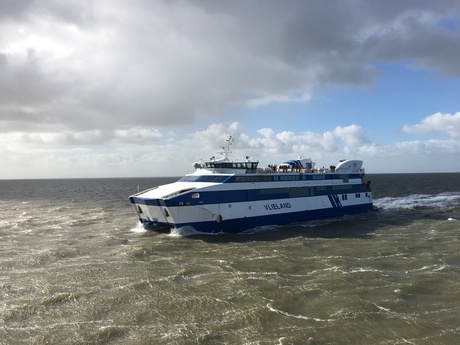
(233, 218)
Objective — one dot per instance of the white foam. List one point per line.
(258, 229)
(442, 201)
(185, 231)
(296, 316)
(139, 228)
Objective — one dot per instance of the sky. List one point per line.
(142, 88)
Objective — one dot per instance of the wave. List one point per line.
(443, 201)
(188, 230)
(139, 228)
(296, 316)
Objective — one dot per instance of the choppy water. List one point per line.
(77, 269)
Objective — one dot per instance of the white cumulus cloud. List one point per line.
(445, 123)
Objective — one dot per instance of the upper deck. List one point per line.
(225, 166)
(303, 166)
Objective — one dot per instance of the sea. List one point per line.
(77, 268)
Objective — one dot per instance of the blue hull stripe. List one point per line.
(332, 200)
(336, 197)
(335, 201)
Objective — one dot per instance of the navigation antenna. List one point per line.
(226, 150)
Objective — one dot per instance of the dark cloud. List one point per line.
(118, 64)
(23, 81)
(72, 12)
(14, 9)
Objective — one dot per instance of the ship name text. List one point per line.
(281, 205)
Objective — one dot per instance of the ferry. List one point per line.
(225, 194)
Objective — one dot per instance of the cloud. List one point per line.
(267, 99)
(13, 8)
(445, 123)
(93, 65)
(138, 135)
(336, 144)
(90, 84)
(285, 144)
(68, 139)
(419, 37)
(137, 152)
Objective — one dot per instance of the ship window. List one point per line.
(274, 191)
(289, 177)
(344, 187)
(192, 178)
(204, 178)
(299, 192)
(259, 178)
(264, 178)
(318, 177)
(212, 178)
(295, 192)
(344, 197)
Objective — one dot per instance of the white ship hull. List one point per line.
(234, 207)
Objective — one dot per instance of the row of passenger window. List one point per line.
(295, 192)
(293, 177)
(204, 178)
(262, 178)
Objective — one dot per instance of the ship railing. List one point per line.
(301, 171)
(291, 171)
(144, 191)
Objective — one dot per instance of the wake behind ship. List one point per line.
(233, 195)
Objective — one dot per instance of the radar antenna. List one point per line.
(226, 149)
